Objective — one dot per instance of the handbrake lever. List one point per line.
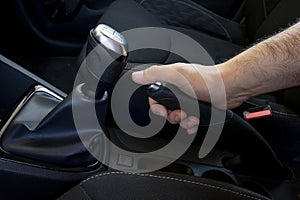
(170, 97)
(235, 127)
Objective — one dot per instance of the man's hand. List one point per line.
(192, 73)
(270, 65)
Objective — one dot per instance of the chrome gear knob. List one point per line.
(106, 56)
(110, 38)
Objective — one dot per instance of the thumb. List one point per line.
(156, 73)
(146, 76)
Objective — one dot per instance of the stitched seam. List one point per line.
(84, 191)
(169, 54)
(202, 11)
(218, 123)
(215, 124)
(172, 179)
(142, 1)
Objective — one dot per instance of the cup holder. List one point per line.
(179, 169)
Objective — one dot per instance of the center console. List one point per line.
(41, 152)
(25, 102)
(42, 156)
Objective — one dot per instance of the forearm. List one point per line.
(271, 65)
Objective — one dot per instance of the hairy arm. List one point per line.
(270, 65)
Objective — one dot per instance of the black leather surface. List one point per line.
(53, 139)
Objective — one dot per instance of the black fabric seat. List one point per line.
(222, 39)
(128, 14)
(121, 185)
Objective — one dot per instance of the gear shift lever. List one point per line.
(55, 139)
(106, 59)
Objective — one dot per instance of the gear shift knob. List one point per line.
(109, 38)
(106, 58)
(106, 49)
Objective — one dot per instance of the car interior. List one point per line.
(46, 75)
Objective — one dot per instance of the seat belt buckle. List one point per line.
(258, 112)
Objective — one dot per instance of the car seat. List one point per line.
(222, 38)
